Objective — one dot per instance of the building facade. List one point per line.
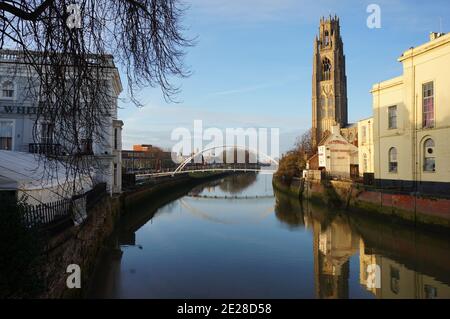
(366, 152)
(412, 121)
(18, 114)
(329, 83)
(145, 158)
(338, 156)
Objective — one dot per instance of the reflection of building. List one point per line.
(333, 248)
(398, 281)
(413, 120)
(337, 156)
(365, 146)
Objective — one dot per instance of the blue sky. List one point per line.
(252, 63)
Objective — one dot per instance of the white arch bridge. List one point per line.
(188, 167)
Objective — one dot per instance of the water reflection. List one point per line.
(186, 246)
(406, 263)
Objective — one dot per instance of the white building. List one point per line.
(18, 115)
(337, 156)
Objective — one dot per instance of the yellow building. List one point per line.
(366, 152)
(412, 121)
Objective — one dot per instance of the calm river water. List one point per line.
(235, 238)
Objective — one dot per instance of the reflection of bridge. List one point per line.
(189, 165)
(232, 196)
(217, 218)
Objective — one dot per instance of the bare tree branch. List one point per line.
(70, 71)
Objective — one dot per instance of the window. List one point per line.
(115, 174)
(8, 90)
(364, 134)
(323, 105)
(326, 70)
(115, 139)
(47, 131)
(6, 135)
(365, 164)
(330, 106)
(392, 117)
(429, 160)
(428, 105)
(87, 146)
(395, 280)
(430, 292)
(393, 165)
(350, 137)
(326, 38)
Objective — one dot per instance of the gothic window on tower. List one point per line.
(330, 105)
(326, 70)
(323, 105)
(326, 39)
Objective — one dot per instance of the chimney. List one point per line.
(435, 35)
(335, 130)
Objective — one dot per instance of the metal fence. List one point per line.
(44, 214)
(61, 213)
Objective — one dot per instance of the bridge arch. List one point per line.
(238, 147)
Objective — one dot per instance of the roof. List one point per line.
(23, 171)
(350, 125)
(443, 39)
(324, 138)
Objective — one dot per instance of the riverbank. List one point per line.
(83, 245)
(135, 195)
(418, 210)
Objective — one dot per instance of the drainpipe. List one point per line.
(414, 134)
(379, 146)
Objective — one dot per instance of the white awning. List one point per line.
(24, 171)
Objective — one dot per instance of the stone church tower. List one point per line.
(329, 84)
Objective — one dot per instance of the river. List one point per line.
(236, 238)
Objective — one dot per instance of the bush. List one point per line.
(20, 251)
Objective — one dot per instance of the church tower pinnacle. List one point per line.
(329, 84)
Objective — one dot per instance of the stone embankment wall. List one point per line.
(79, 245)
(408, 207)
(82, 245)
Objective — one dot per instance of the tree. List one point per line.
(65, 50)
(305, 148)
(294, 161)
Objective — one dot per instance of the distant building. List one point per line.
(146, 157)
(143, 148)
(338, 156)
(329, 84)
(366, 152)
(412, 121)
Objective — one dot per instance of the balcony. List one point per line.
(45, 149)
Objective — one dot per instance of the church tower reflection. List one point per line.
(334, 244)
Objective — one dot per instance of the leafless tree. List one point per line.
(70, 68)
(304, 144)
